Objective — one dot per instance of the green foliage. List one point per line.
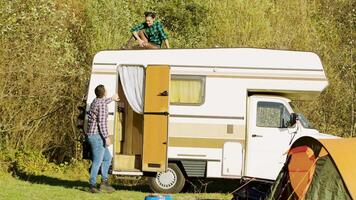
(185, 21)
(334, 112)
(5, 161)
(46, 47)
(41, 77)
(28, 164)
(32, 163)
(108, 24)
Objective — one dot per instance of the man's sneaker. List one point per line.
(104, 186)
(93, 189)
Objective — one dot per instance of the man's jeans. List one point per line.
(101, 157)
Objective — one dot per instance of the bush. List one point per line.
(46, 47)
(25, 164)
(42, 77)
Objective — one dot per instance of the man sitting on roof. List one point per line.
(150, 34)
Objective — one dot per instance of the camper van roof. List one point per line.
(215, 57)
(295, 74)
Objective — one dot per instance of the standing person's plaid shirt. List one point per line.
(155, 33)
(97, 117)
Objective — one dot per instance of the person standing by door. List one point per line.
(99, 140)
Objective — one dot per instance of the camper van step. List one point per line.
(128, 173)
(129, 170)
(128, 163)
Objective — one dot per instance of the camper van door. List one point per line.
(155, 133)
(268, 138)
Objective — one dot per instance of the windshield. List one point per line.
(303, 120)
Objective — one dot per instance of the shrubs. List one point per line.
(42, 77)
(31, 163)
(25, 164)
(46, 47)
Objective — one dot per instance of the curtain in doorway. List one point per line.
(132, 80)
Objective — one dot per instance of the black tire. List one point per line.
(171, 181)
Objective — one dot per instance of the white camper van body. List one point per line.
(237, 129)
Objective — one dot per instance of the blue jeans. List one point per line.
(101, 157)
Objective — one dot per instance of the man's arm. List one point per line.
(166, 43)
(109, 100)
(163, 35)
(115, 97)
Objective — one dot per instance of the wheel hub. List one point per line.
(166, 180)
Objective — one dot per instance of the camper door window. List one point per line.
(272, 115)
(187, 90)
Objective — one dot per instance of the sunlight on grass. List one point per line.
(56, 189)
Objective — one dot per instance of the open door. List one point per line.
(155, 132)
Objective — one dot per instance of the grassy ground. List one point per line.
(53, 188)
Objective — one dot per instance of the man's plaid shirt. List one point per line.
(155, 33)
(97, 117)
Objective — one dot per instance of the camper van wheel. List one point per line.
(171, 181)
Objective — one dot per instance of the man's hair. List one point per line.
(100, 91)
(150, 14)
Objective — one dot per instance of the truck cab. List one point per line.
(270, 134)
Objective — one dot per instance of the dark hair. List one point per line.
(150, 14)
(100, 91)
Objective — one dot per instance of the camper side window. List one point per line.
(187, 90)
(271, 114)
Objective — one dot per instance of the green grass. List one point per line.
(53, 188)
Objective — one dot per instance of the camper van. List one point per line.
(207, 113)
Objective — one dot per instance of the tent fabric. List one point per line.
(327, 182)
(132, 80)
(301, 168)
(282, 188)
(330, 176)
(343, 153)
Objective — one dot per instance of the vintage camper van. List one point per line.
(209, 113)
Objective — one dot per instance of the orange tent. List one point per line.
(318, 169)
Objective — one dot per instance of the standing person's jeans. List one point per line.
(101, 157)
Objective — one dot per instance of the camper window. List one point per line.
(271, 114)
(187, 90)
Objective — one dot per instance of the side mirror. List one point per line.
(292, 119)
